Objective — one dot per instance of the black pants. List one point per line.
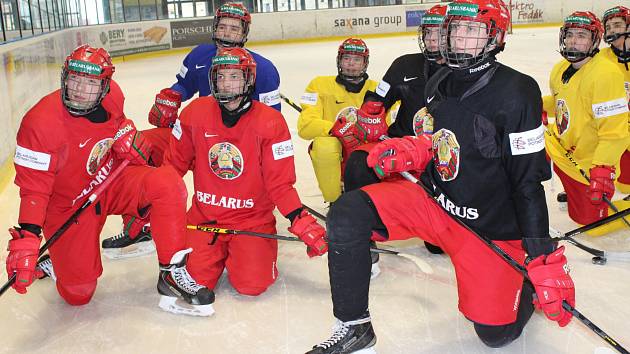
(350, 223)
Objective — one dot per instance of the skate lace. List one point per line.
(122, 234)
(185, 281)
(340, 330)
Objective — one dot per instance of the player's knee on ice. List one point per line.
(250, 290)
(77, 294)
(350, 219)
(166, 183)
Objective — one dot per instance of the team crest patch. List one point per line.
(349, 113)
(446, 154)
(226, 160)
(563, 116)
(422, 122)
(98, 153)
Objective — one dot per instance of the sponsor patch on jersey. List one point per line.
(422, 122)
(349, 114)
(282, 150)
(309, 98)
(563, 116)
(226, 160)
(177, 130)
(627, 85)
(528, 142)
(383, 88)
(446, 151)
(98, 153)
(610, 108)
(270, 98)
(183, 71)
(31, 159)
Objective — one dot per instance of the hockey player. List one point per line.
(241, 155)
(328, 104)
(590, 107)
(486, 128)
(404, 81)
(68, 144)
(230, 29)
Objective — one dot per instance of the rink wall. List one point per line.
(31, 67)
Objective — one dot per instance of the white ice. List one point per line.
(412, 312)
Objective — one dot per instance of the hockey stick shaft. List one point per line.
(317, 214)
(72, 219)
(291, 103)
(520, 268)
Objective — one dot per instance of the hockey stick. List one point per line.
(315, 213)
(575, 164)
(520, 268)
(72, 219)
(424, 266)
(291, 103)
(600, 256)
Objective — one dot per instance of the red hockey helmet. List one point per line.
(235, 11)
(85, 79)
(428, 32)
(353, 46)
(227, 85)
(580, 20)
(617, 29)
(463, 49)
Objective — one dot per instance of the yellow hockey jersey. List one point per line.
(323, 101)
(591, 116)
(608, 53)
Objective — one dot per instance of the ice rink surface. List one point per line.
(412, 312)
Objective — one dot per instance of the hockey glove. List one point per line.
(550, 276)
(409, 153)
(346, 132)
(130, 144)
(22, 259)
(371, 124)
(164, 111)
(602, 184)
(311, 233)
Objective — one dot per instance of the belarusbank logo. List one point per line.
(354, 48)
(225, 59)
(460, 9)
(84, 67)
(233, 10)
(432, 20)
(610, 12)
(578, 19)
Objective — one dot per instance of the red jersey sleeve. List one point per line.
(38, 155)
(181, 152)
(278, 166)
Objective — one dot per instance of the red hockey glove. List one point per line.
(164, 111)
(550, 276)
(602, 184)
(311, 233)
(23, 251)
(371, 124)
(129, 144)
(346, 132)
(409, 153)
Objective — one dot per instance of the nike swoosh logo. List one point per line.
(199, 66)
(430, 99)
(405, 79)
(209, 135)
(81, 145)
(337, 102)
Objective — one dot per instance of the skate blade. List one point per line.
(132, 251)
(376, 270)
(370, 350)
(180, 307)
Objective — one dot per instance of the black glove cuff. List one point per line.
(36, 229)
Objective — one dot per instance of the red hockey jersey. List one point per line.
(240, 173)
(59, 158)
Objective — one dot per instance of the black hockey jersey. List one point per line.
(489, 152)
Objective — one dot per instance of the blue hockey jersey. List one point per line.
(193, 76)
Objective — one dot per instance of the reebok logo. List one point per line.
(81, 145)
(166, 102)
(369, 120)
(405, 79)
(346, 127)
(123, 131)
(480, 68)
